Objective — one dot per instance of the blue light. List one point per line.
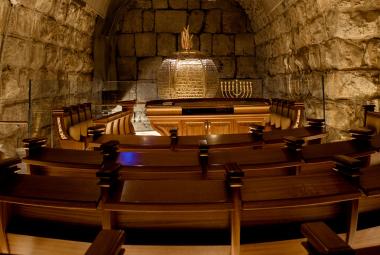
(128, 158)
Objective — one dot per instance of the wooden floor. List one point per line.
(46, 246)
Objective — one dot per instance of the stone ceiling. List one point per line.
(260, 9)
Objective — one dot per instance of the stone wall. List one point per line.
(42, 40)
(302, 40)
(150, 31)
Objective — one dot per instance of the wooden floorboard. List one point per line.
(28, 245)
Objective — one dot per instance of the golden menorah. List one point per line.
(236, 89)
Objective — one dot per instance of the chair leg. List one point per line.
(352, 220)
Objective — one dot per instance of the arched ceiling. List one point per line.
(257, 10)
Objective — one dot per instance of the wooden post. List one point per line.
(203, 157)
(352, 220)
(7, 167)
(4, 244)
(234, 175)
(294, 145)
(367, 108)
(108, 176)
(350, 167)
(173, 138)
(33, 146)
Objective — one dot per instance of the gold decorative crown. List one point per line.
(186, 39)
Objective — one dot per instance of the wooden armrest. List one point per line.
(362, 131)
(203, 156)
(347, 165)
(347, 161)
(234, 175)
(108, 242)
(35, 142)
(293, 143)
(173, 137)
(9, 166)
(315, 120)
(324, 241)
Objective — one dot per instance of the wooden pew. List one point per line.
(107, 242)
(63, 162)
(321, 156)
(172, 204)
(226, 141)
(201, 163)
(46, 198)
(299, 198)
(321, 240)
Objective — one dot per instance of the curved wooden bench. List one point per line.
(72, 124)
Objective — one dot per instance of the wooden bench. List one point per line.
(286, 114)
(48, 198)
(73, 125)
(299, 199)
(199, 204)
(266, 139)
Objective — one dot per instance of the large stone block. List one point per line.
(357, 25)
(143, 4)
(372, 54)
(166, 44)
(245, 44)
(16, 52)
(341, 85)
(160, 4)
(193, 4)
(146, 91)
(178, 4)
(234, 22)
(341, 54)
(37, 56)
(314, 58)
(246, 67)
(223, 45)
(145, 44)
(11, 136)
(148, 21)
(206, 43)
(126, 45)
(59, 11)
(22, 21)
(128, 90)
(132, 22)
(127, 69)
(148, 67)
(170, 21)
(317, 31)
(226, 67)
(213, 21)
(196, 21)
(43, 6)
